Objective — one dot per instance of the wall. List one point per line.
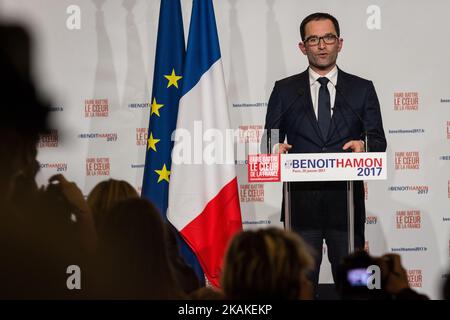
(94, 59)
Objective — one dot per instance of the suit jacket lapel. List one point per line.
(338, 104)
(307, 101)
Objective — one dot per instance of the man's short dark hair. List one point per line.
(319, 16)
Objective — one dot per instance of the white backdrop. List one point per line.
(94, 59)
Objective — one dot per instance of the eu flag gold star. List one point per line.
(173, 79)
(163, 174)
(152, 142)
(156, 107)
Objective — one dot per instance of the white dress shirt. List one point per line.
(315, 86)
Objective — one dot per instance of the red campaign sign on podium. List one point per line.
(264, 168)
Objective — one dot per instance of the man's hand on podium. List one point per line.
(282, 148)
(354, 145)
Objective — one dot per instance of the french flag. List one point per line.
(203, 193)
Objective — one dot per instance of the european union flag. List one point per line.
(166, 93)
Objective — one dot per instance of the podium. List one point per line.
(302, 167)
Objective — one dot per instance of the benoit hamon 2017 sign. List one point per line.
(317, 167)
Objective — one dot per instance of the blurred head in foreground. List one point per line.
(267, 264)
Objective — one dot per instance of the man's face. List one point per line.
(322, 57)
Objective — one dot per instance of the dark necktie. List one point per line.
(324, 111)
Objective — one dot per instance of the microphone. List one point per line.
(365, 134)
(299, 93)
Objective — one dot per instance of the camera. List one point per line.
(354, 275)
(57, 203)
(357, 277)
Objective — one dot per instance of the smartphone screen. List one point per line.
(357, 277)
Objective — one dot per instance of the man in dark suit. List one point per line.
(324, 109)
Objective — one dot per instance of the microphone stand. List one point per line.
(350, 189)
(286, 185)
(287, 205)
(350, 218)
(269, 141)
(286, 189)
(351, 206)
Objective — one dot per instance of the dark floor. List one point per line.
(327, 291)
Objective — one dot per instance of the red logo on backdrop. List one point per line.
(264, 168)
(366, 247)
(448, 129)
(408, 219)
(141, 136)
(409, 160)
(49, 140)
(250, 133)
(58, 166)
(253, 192)
(406, 101)
(96, 108)
(366, 190)
(108, 136)
(448, 189)
(97, 167)
(371, 220)
(415, 278)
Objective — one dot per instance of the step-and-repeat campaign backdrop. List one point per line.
(95, 60)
